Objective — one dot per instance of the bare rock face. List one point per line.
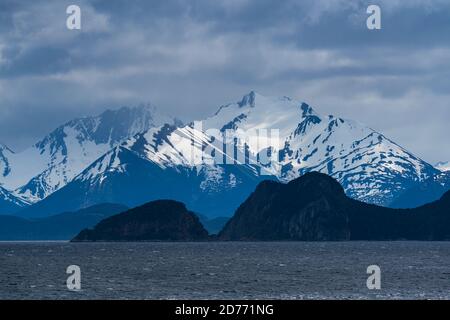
(162, 220)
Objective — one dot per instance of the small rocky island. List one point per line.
(162, 220)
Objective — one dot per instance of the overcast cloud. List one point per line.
(189, 57)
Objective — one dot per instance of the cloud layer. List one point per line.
(188, 57)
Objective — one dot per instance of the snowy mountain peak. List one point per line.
(248, 100)
(110, 127)
(261, 103)
(306, 110)
(57, 158)
(443, 166)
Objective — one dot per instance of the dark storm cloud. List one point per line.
(188, 57)
(37, 60)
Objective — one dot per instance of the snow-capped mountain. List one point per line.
(370, 167)
(162, 162)
(123, 176)
(56, 159)
(10, 203)
(443, 166)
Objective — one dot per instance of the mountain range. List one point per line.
(55, 160)
(313, 207)
(134, 155)
(61, 226)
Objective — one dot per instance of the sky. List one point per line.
(188, 57)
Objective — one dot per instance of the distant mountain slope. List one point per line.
(430, 190)
(122, 176)
(158, 220)
(9, 203)
(56, 159)
(62, 226)
(213, 225)
(315, 208)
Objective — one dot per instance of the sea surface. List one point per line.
(227, 270)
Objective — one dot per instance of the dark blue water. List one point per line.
(409, 270)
